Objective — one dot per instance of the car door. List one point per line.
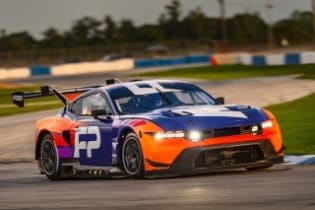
(93, 138)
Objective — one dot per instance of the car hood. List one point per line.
(205, 117)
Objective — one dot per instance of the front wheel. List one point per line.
(50, 162)
(132, 157)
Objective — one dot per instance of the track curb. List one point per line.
(299, 159)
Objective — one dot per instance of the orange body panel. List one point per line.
(274, 132)
(71, 96)
(167, 150)
(56, 125)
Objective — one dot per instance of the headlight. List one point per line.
(168, 135)
(191, 135)
(194, 136)
(159, 136)
(266, 124)
(256, 130)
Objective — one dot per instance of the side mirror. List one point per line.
(101, 115)
(220, 100)
(96, 113)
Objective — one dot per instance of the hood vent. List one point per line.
(181, 113)
(171, 113)
(238, 107)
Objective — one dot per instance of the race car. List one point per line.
(151, 128)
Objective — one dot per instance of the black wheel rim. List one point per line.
(132, 157)
(49, 157)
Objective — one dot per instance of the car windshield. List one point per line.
(146, 98)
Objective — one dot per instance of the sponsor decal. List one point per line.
(87, 138)
(17, 97)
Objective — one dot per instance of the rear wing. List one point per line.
(65, 95)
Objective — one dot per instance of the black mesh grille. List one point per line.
(227, 131)
(233, 156)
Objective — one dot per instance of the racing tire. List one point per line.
(132, 157)
(50, 162)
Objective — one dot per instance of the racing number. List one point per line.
(87, 138)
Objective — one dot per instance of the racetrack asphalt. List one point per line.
(280, 187)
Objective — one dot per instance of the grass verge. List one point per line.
(16, 110)
(34, 104)
(233, 72)
(296, 119)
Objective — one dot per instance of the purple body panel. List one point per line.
(65, 152)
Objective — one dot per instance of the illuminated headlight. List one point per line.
(159, 136)
(266, 124)
(168, 135)
(194, 136)
(256, 130)
(191, 135)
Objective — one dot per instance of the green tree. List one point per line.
(173, 11)
(17, 41)
(169, 22)
(297, 29)
(149, 33)
(126, 31)
(85, 31)
(246, 28)
(52, 39)
(3, 32)
(197, 25)
(111, 29)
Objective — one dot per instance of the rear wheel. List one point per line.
(50, 162)
(132, 157)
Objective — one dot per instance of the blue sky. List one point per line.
(37, 15)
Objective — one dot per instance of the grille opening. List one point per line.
(246, 129)
(230, 131)
(227, 131)
(232, 156)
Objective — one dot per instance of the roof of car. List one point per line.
(152, 83)
(144, 86)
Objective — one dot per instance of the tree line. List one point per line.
(172, 24)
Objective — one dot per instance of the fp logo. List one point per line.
(87, 138)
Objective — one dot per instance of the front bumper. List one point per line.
(217, 157)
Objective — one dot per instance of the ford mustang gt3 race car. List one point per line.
(149, 128)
